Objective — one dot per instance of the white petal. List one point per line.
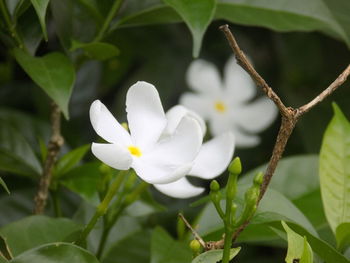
(113, 155)
(204, 77)
(238, 84)
(221, 123)
(174, 116)
(214, 156)
(245, 140)
(163, 163)
(257, 115)
(106, 125)
(154, 172)
(145, 114)
(225, 123)
(201, 104)
(181, 188)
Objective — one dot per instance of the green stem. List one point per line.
(10, 25)
(120, 206)
(56, 202)
(103, 206)
(115, 8)
(230, 194)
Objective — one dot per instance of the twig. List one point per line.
(54, 146)
(290, 116)
(194, 232)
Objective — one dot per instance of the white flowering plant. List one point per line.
(121, 140)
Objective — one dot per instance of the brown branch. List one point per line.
(54, 146)
(290, 116)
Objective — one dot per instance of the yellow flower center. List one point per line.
(220, 106)
(135, 151)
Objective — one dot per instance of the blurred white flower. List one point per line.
(156, 160)
(213, 158)
(227, 105)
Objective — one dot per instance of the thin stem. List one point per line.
(54, 146)
(10, 25)
(114, 10)
(56, 202)
(230, 194)
(194, 232)
(102, 208)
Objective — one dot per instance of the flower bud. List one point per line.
(258, 179)
(235, 166)
(214, 186)
(195, 246)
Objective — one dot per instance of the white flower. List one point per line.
(213, 158)
(227, 105)
(155, 160)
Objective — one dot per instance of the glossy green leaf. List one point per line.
(334, 170)
(34, 231)
(30, 30)
(197, 14)
(70, 17)
(298, 248)
(327, 16)
(16, 155)
(164, 249)
(3, 184)
(214, 256)
(54, 73)
(343, 235)
(29, 126)
(40, 7)
(324, 250)
(69, 160)
(84, 180)
(133, 248)
(56, 253)
(96, 50)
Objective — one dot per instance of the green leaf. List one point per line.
(334, 170)
(319, 246)
(133, 248)
(70, 17)
(295, 176)
(16, 155)
(56, 253)
(84, 180)
(3, 184)
(327, 16)
(69, 160)
(298, 248)
(96, 50)
(164, 249)
(40, 7)
(54, 73)
(343, 235)
(213, 256)
(34, 231)
(197, 14)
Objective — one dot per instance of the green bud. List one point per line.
(195, 246)
(251, 196)
(258, 179)
(214, 186)
(235, 166)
